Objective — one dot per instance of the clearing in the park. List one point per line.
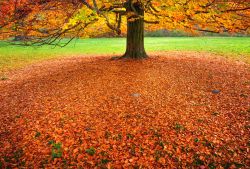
(127, 102)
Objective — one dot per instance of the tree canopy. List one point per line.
(50, 20)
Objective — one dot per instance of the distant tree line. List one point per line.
(174, 33)
(178, 33)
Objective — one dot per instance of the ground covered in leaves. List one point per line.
(173, 110)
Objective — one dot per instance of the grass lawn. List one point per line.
(16, 56)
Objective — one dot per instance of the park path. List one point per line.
(174, 109)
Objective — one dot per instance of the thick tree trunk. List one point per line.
(135, 34)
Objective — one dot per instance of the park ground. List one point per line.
(186, 106)
(12, 57)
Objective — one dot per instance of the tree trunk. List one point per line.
(135, 33)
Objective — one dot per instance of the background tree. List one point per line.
(49, 21)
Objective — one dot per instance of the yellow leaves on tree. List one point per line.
(230, 16)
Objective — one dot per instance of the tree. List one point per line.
(48, 21)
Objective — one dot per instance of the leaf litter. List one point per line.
(94, 112)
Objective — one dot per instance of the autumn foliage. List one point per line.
(83, 18)
(177, 111)
(40, 22)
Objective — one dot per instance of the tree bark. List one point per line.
(135, 33)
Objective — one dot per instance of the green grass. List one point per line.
(18, 56)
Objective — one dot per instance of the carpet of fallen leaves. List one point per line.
(173, 110)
